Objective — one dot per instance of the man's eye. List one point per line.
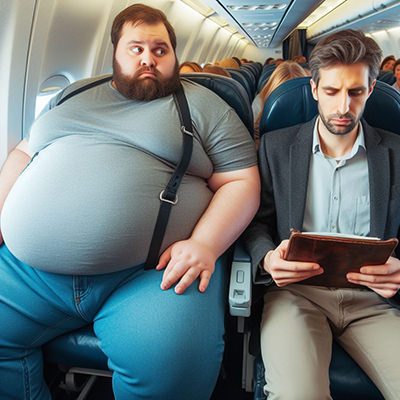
(355, 93)
(159, 52)
(136, 50)
(330, 92)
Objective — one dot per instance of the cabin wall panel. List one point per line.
(15, 28)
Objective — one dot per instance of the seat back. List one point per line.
(229, 90)
(387, 77)
(237, 75)
(265, 74)
(295, 95)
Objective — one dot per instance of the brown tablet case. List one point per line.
(337, 255)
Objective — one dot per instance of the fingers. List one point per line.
(205, 277)
(186, 276)
(287, 277)
(164, 259)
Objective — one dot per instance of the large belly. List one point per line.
(91, 208)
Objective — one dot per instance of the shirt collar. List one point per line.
(359, 143)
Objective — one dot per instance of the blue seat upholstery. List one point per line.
(387, 77)
(265, 74)
(238, 76)
(255, 69)
(290, 104)
(382, 109)
(80, 348)
(230, 91)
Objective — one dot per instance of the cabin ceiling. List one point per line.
(267, 23)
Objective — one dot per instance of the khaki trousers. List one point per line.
(297, 328)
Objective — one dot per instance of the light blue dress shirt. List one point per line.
(338, 190)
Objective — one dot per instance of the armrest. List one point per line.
(240, 282)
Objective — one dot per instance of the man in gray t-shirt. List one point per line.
(77, 222)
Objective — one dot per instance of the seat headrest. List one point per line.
(387, 77)
(382, 109)
(289, 104)
(292, 103)
(229, 90)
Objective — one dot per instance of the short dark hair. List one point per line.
(138, 14)
(345, 47)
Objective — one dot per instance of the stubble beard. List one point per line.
(336, 130)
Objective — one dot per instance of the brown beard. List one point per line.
(145, 89)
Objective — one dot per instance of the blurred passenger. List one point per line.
(284, 72)
(189, 66)
(228, 63)
(278, 61)
(216, 69)
(396, 70)
(237, 60)
(388, 63)
(269, 60)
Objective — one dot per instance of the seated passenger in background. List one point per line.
(228, 63)
(388, 63)
(396, 71)
(189, 67)
(216, 69)
(332, 174)
(284, 72)
(78, 221)
(269, 60)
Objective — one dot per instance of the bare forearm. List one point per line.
(230, 211)
(12, 168)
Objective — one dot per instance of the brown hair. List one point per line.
(193, 65)
(396, 64)
(283, 72)
(140, 14)
(386, 59)
(216, 70)
(345, 47)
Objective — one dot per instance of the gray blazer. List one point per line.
(284, 158)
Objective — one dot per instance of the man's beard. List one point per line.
(339, 130)
(145, 89)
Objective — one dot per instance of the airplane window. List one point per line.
(48, 89)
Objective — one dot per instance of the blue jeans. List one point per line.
(159, 345)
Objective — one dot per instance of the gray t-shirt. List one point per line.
(88, 202)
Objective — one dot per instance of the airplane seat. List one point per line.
(250, 78)
(382, 109)
(386, 76)
(229, 90)
(254, 68)
(78, 352)
(266, 73)
(238, 76)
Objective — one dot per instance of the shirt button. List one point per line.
(333, 226)
(335, 197)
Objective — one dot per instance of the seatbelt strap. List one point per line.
(168, 196)
(83, 88)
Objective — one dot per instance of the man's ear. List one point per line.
(314, 89)
(371, 89)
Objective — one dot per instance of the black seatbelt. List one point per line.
(168, 196)
(83, 88)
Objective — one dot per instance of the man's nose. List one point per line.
(344, 103)
(147, 59)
